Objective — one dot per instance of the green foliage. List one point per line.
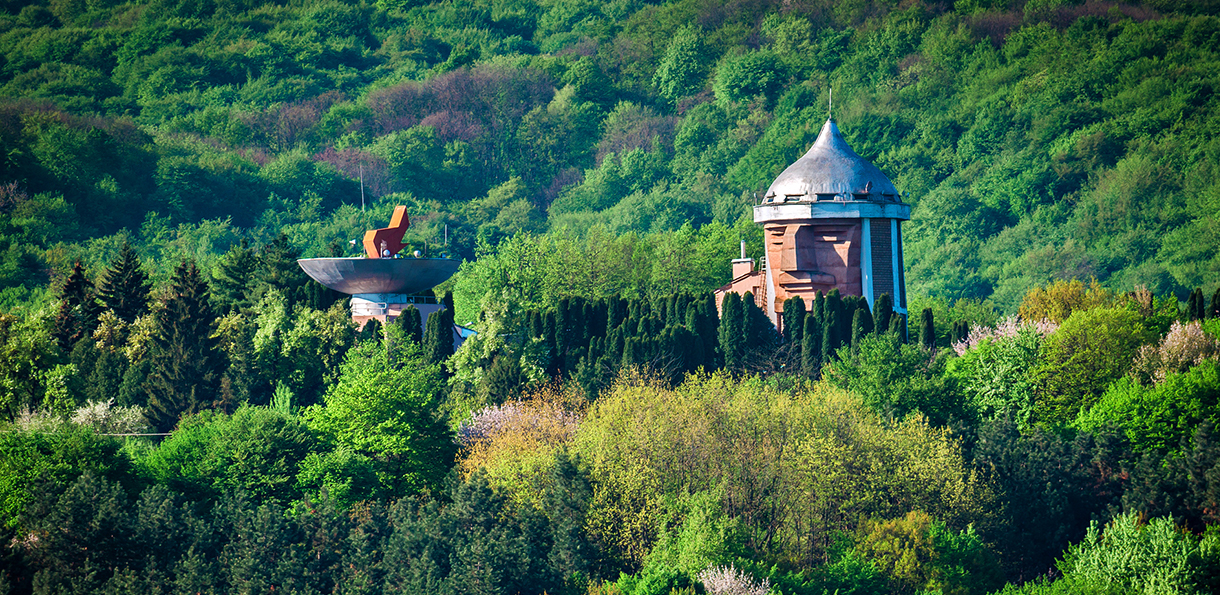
(1162, 416)
(896, 379)
(257, 450)
(995, 375)
(1137, 556)
(387, 411)
(51, 458)
(184, 359)
(1079, 360)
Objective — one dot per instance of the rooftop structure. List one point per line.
(381, 283)
(830, 220)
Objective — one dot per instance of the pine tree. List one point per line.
(124, 288)
(184, 360)
(278, 268)
(233, 283)
(927, 330)
(732, 331)
(78, 309)
(811, 348)
(794, 320)
(883, 311)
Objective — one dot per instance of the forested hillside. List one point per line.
(182, 410)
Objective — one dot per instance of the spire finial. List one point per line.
(831, 112)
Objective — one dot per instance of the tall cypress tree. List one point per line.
(883, 310)
(794, 320)
(411, 323)
(234, 281)
(1214, 310)
(1197, 304)
(438, 336)
(732, 331)
(759, 332)
(184, 360)
(811, 347)
(898, 325)
(78, 309)
(124, 288)
(835, 318)
(857, 329)
(829, 339)
(927, 329)
(819, 307)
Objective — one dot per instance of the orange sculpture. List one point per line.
(387, 241)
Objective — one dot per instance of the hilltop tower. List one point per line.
(831, 220)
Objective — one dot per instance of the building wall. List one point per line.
(814, 255)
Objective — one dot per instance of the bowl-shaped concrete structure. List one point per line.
(379, 275)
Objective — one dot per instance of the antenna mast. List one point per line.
(362, 187)
(831, 112)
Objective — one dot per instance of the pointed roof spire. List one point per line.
(831, 168)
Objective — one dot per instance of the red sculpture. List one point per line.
(387, 241)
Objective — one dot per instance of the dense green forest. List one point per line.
(1045, 421)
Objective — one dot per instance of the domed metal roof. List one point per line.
(831, 170)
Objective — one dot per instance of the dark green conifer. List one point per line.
(184, 362)
(278, 268)
(411, 323)
(732, 331)
(811, 348)
(438, 337)
(233, 284)
(371, 331)
(794, 320)
(883, 311)
(898, 325)
(834, 317)
(819, 307)
(78, 309)
(857, 329)
(927, 330)
(1214, 310)
(759, 332)
(124, 287)
(829, 340)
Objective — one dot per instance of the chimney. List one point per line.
(743, 265)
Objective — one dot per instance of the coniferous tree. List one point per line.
(759, 332)
(927, 329)
(857, 330)
(898, 325)
(1214, 310)
(866, 316)
(234, 280)
(184, 360)
(829, 339)
(438, 336)
(124, 287)
(732, 331)
(794, 320)
(883, 311)
(411, 323)
(78, 309)
(1196, 305)
(278, 268)
(819, 307)
(811, 347)
(371, 331)
(834, 317)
